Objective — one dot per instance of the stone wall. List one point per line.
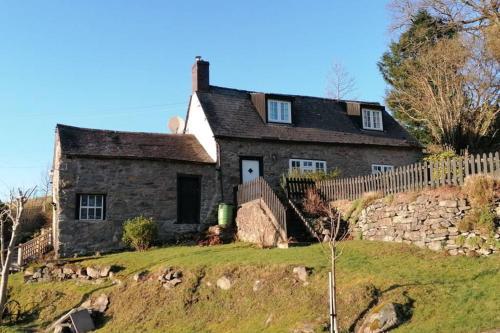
(256, 224)
(427, 221)
(132, 188)
(352, 160)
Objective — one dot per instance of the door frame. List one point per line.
(251, 158)
(183, 175)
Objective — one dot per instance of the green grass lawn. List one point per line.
(447, 294)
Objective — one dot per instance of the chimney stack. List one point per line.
(200, 75)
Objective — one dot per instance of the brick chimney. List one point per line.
(200, 74)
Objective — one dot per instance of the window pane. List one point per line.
(84, 199)
(98, 200)
(91, 214)
(284, 111)
(91, 200)
(83, 213)
(98, 213)
(273, 113)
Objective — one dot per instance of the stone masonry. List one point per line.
(351, 160)
(428, 221)
(132, 188)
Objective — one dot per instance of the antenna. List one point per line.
(176, 125)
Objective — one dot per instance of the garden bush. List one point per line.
(140, 232)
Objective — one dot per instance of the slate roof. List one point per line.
(231, 113)
(78, 141)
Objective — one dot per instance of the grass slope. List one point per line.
(448, 294)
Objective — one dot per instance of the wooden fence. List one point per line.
(260, 189)
(407, 178)
(296, 187)
(35, 247)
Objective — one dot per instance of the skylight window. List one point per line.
(279, 111)
(372, 119)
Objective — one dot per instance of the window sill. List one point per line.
(91, 221)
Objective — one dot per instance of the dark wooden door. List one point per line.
(188, 199)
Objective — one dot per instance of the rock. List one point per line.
(484, 252)
(104, 271)
(81, 272)
(448, 203)
(257, 285)
(172, 283)
(224, 283)
(381, 319)
(37, 275)
(99, 304)
(93, 272)
(141, 276)
(435, 245)
(169, 276)
(28, 272)
(68, 270)
(177, 274)
(301, 272)
(62, 328)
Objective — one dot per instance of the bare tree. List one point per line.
(453, 91)
(46, 185)
(338, 232)
(340, 84)
(14, 213)
(477, 18)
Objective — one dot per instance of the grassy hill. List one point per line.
(447, 294)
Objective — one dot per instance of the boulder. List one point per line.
(301, 272)
(224, 283)
(104, 271)
(68, 270)
(93, 272)
(381, 319)
(99, 304)
(172, 283)
(141, 276)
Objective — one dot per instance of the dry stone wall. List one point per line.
(428, 221)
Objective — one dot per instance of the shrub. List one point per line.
(313, 203)
(467, 222)
(460, 241)
(140, 232)
(360, 204)
(480, 190)
(475, 241)
(316, 175)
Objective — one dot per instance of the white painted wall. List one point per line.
(197, 124)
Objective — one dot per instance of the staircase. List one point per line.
(297, 226)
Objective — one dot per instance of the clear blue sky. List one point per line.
(126, 65)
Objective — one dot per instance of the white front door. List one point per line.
(250, 169)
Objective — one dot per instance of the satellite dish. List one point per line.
(176, 125)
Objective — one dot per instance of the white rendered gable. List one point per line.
(197, 124)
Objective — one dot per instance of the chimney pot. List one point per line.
(200, 75)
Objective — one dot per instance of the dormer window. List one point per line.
(279, 111)
(372, 120)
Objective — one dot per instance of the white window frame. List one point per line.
(306, 165)
(381, 168)
(372, 119)
(282, 116)
(88, 207)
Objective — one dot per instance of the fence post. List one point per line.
(20, 255)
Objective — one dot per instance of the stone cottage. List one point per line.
(101, 178)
